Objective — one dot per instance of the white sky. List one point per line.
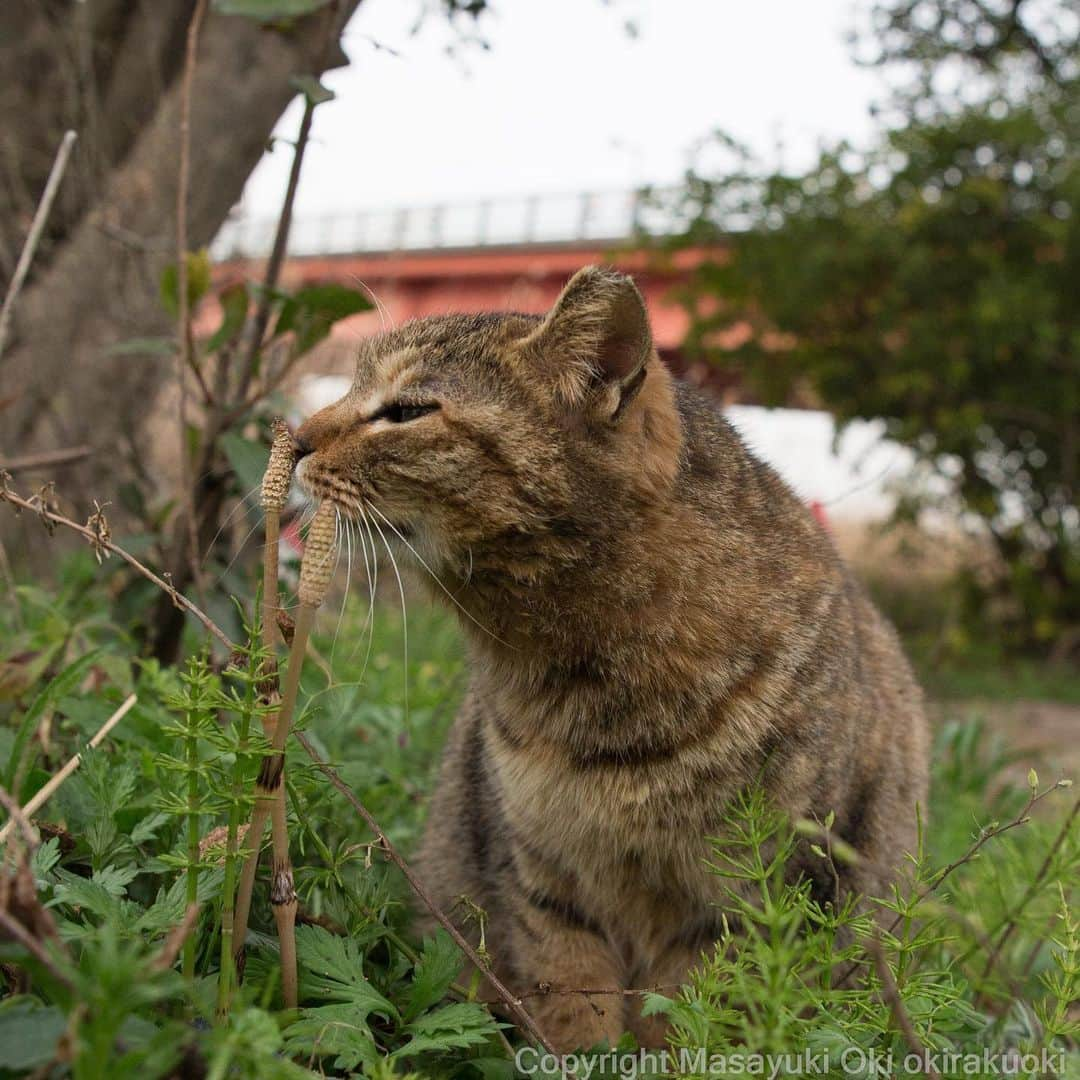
(566, 100)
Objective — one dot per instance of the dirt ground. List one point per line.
(1045, 734)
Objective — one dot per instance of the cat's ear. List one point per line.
(595, 342)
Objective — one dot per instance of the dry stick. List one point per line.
(273, 266)
(32, 946)
(1031, 890)
(512, 1002)
(100, 543)
(972, 852)
(48, 790)
(31, 840)
(48, 459)
(170, 950)
(315, 572)
(891, 993)
(98, 536)
(33, 238)
(185, 356)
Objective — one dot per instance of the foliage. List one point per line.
(117, 868)
(929, 280)
(771, 987)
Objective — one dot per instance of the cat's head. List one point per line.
(503, 436)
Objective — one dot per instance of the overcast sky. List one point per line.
(567, 100)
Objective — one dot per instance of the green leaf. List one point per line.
(453, 1027)
(63, 684)
(436, 968)
(147, 828)
(268, 10)
(312, 89)
(311, 312)
(338, 1030)
(247, 458)
(45, 858)
(86, 894)
(333, 971)
(115, 879)
(235, 302)
(198, 281)
(29, 1032)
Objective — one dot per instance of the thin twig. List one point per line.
(512, 1002)
(170, 950)
(984, 837)
(46, 792)
(1032, 889)
(543, 990)
(891, 993)
(185, 351)
(100, 542)
(33, 238)
(273, 266)
(18, 817)
(48, 459)
(32, 946)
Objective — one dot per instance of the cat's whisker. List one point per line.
(435, 577)
(241, 504)
(239, 550)
(404, 611)
(385, 320)
(373, 577)
(372, 571)
(347, 526)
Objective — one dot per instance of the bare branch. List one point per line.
(48, 459)
(95, 538)
(184, 345)
(891, 993)
(1032, 889)
(33, 238)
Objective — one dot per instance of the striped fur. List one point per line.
(653, 619)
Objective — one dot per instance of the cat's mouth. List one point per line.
(323, 484)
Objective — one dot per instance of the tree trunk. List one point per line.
(98, 285)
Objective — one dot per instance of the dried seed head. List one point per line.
(319, 550)
(279, 469)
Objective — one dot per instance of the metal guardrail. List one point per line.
(591, 217)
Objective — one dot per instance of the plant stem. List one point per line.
(192, 892)
(227, 975)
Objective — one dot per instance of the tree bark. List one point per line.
(100, 286)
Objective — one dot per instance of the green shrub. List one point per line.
(107, 995)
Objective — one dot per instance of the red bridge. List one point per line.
(510, 255)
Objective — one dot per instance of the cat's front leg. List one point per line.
(557, 951)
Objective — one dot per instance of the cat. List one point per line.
(653, 620)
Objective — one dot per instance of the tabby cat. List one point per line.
(654, 621)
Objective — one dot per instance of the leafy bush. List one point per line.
(123, 978)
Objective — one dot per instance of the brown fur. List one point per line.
(654, 620)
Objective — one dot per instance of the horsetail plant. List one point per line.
(246, 701)
(195, 704)
(315, 574)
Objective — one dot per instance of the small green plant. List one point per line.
(977, 951)
(881, 987)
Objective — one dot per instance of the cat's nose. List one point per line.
(303, 445)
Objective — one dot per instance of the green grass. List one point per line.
(116, 868)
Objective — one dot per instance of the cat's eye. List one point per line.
(398, 412)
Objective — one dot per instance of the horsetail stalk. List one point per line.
(315, 574)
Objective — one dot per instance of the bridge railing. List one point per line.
(591, 217)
